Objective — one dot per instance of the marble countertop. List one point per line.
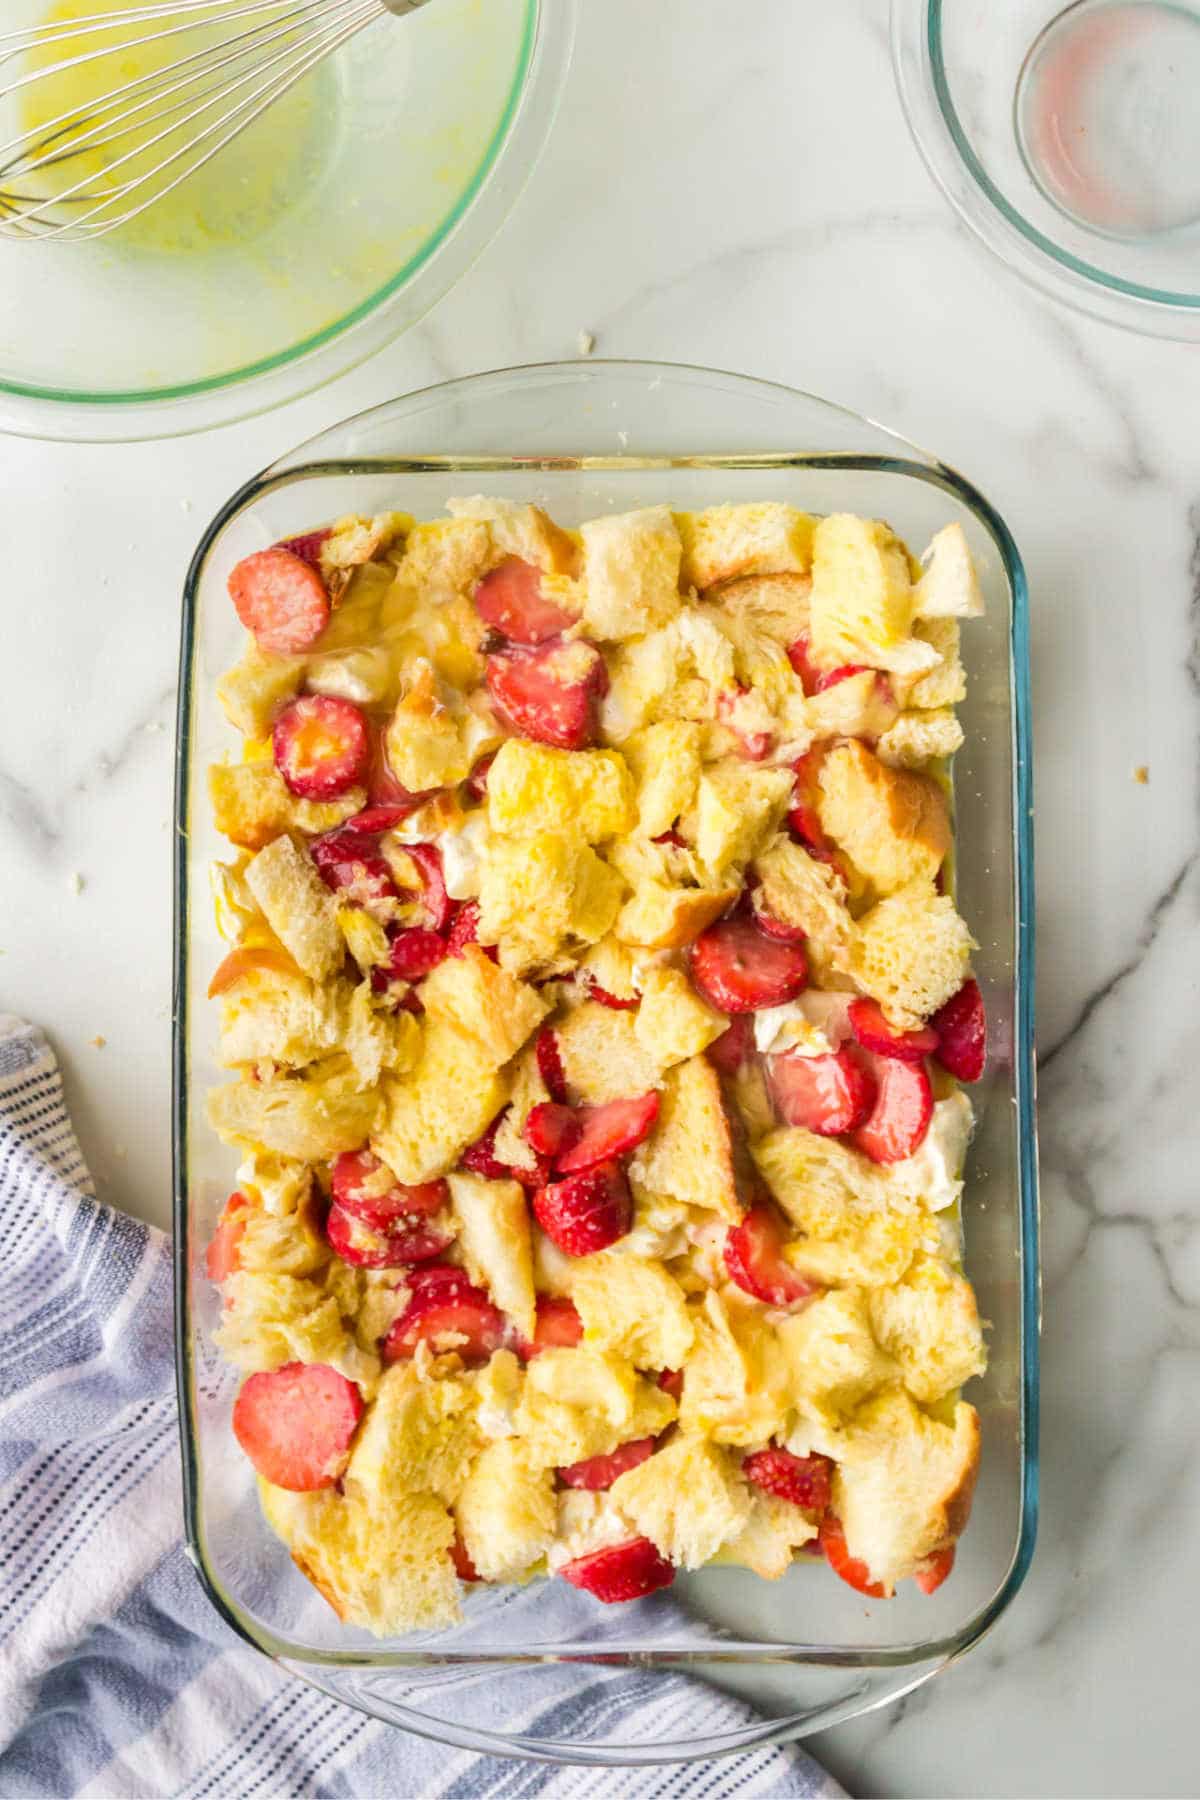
(758, 206)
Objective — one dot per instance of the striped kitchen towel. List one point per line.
(117, 1678)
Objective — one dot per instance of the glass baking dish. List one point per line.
(806, 1652)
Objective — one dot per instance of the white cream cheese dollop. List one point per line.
(814, 1024)
(934, 1173)
(586, 1522)
(463, 852)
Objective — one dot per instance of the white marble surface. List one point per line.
(734, 185)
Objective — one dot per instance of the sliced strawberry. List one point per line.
(357, 1179)
(833, 676)
(413, 953)
(739, 970)
(281, 599)
(608, 1131)
(374, 820)
(439, 907)
(249, 959)
(382, 787)
(465, 930)
(850, 1568)
(735, 1046)
(873, 1032)
(551, 1128)
(296, 1423)
(621, 1572)
(961, 1027)
(597, 1472)
(753, 746)
(900, 1116)
(550, 1067)
(603, 998)
(586, 1212)
(348, 861)
(444, 1304)
(363, 1247)
(804, 1480)
(477, 781)
(550, 694)
(510, 600)
(558, 1326)
(221, 1259)
(826, 1094)
(776, 928)
(464, 1568)
(754, 1259)
(480, 1157)
(800, 657)
(308, 547)
(804, 817)
(934, 1570)
(321, 746)
(671, 1382)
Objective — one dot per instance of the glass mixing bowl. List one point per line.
(1068, 139)
(806, 1651)
(325, 231)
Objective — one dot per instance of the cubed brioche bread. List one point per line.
(893, 825)
(949, 587)
(487, 1003)
(447, 1100)
(284, 1244)
(673, 1023)
(428, 745)
(365, 938)
(665, 760)
(768, 1541)
(518, 530)
(602, 1056)
(798, 890)
(269, 1320)
(376, 1040)
(776, 605)
(418, 1436)
(763, 537)
(494, 1237)
(689, 1499)
(852, 1229)
(251, 805)
(739, 808)
(904, 1483)
(506, 1512)
(919, 738)
(911, 952)
(355, 540)
(735, 1382)
(281, 1016)
(443, 560)
(579, 1403)
(862, 593)
(252, 692)
(658, 917)
(533, 788)
(528, 1091)
(539, 893)
(833, 1361)
(689, 1154)
(633, 1307)
(859, 706)
(297, 906)
(610, 965)
(930, 1323)
(945, 682)
(312, 1117)
(630, 573)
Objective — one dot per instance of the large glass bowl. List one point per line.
(807, 1651)
(297, 252)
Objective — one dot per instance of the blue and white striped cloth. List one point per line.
(117, 1679)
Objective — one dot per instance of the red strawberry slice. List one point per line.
(356, 1179)
(550, 1066)
(961, 1027)
(296, 1423)
(754, 1259)
(363, 1247)
(374, 820)
(437, 904)
(622, 1572)
(833, 676)
(739, 970)
(558, 1326)
(550, 694)
(586, 1212)
(464, 1568)
(900, 1116)
(827, 1094)
(281, 599)
(753, 746)
(480, 1157)
(413, 953)
(465, 930)
(671, 1382)
(551, 1128)
(800, 657)
(510, 600)
(603, 998)
(776, 928)
(608, 1131)
(804, 1480)
(850, 1568)
(221, 1259)
(804, 817)
(735, 1046)
(443, 1302)
(348, 861)
(598, 1472)
(321, 746)
(477, 780)
(934, 1570)
(873, 1032)
(308, 547)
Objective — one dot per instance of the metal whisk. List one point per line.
(215, 67)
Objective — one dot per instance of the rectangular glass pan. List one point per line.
(807, 1651)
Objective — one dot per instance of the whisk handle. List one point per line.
(400, 7)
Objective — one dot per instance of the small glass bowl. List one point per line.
(807, 1651)
(1061, 142)
(419, 135)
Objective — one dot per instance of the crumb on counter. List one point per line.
(585, 343)
(98, 1042)
(76, 882)
(1142, 775)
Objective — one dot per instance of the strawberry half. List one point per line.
(321, 746)
(510, 600)
(413, 952)
(900, 1116)
(296, 1423)
(550, 694)
(739, 970)
(348, 861)
(622, 1572)
(480, 1157)
(281, 598)
(465, 930)
(961, 1029)
(308, 546)
(599, 1472)
(551, 1129)
(851, 1569)
(444, 1305)
(558, 1326)
(934, 1570)
(357, 1177)
(804, 1480)
(363, 1247)
(550, 1067)
(221, 1259)
(439, 907)
(586, 1212)
(873, 1032)
(826, 1094)
(776, 928)
(734, 1046)
(754, 1259)
(804, 817)
(608, 1131)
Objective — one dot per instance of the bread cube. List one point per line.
(277, 1016)
(853, 1228)
(538, 894)
(355, 540)
(610, 965)
(524, 531)
(911, 952)
(949, 587)
(633, 1307)
(534, 789)
(735, 1386)
(761, 537)
(375, 1039)
(775, 605)
(528, 1091)
(739, 808)
(365, 938)
(252, 692)
(919, 738)
(447, 1100)
(768, 1541)
(292, 1243)
(630, 573)
(689, 1154)
(665, 760)
(490, 1005)
(798, 890)
(581, 1403)
(313, 1117)
(506, 1512)
(673, 1023)
(860, 706)
(893, 825)
(862, 593)
(270, 1320)
(833, 1361)
(419, 1436)
(494, 1237)
(929, 1322)
(658, 917)
(602, 1056)
(443, 560)
(298, 906)
(251, 805)
(497, 1387)
(427, 744)
(945, 682)
(689, 1499)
